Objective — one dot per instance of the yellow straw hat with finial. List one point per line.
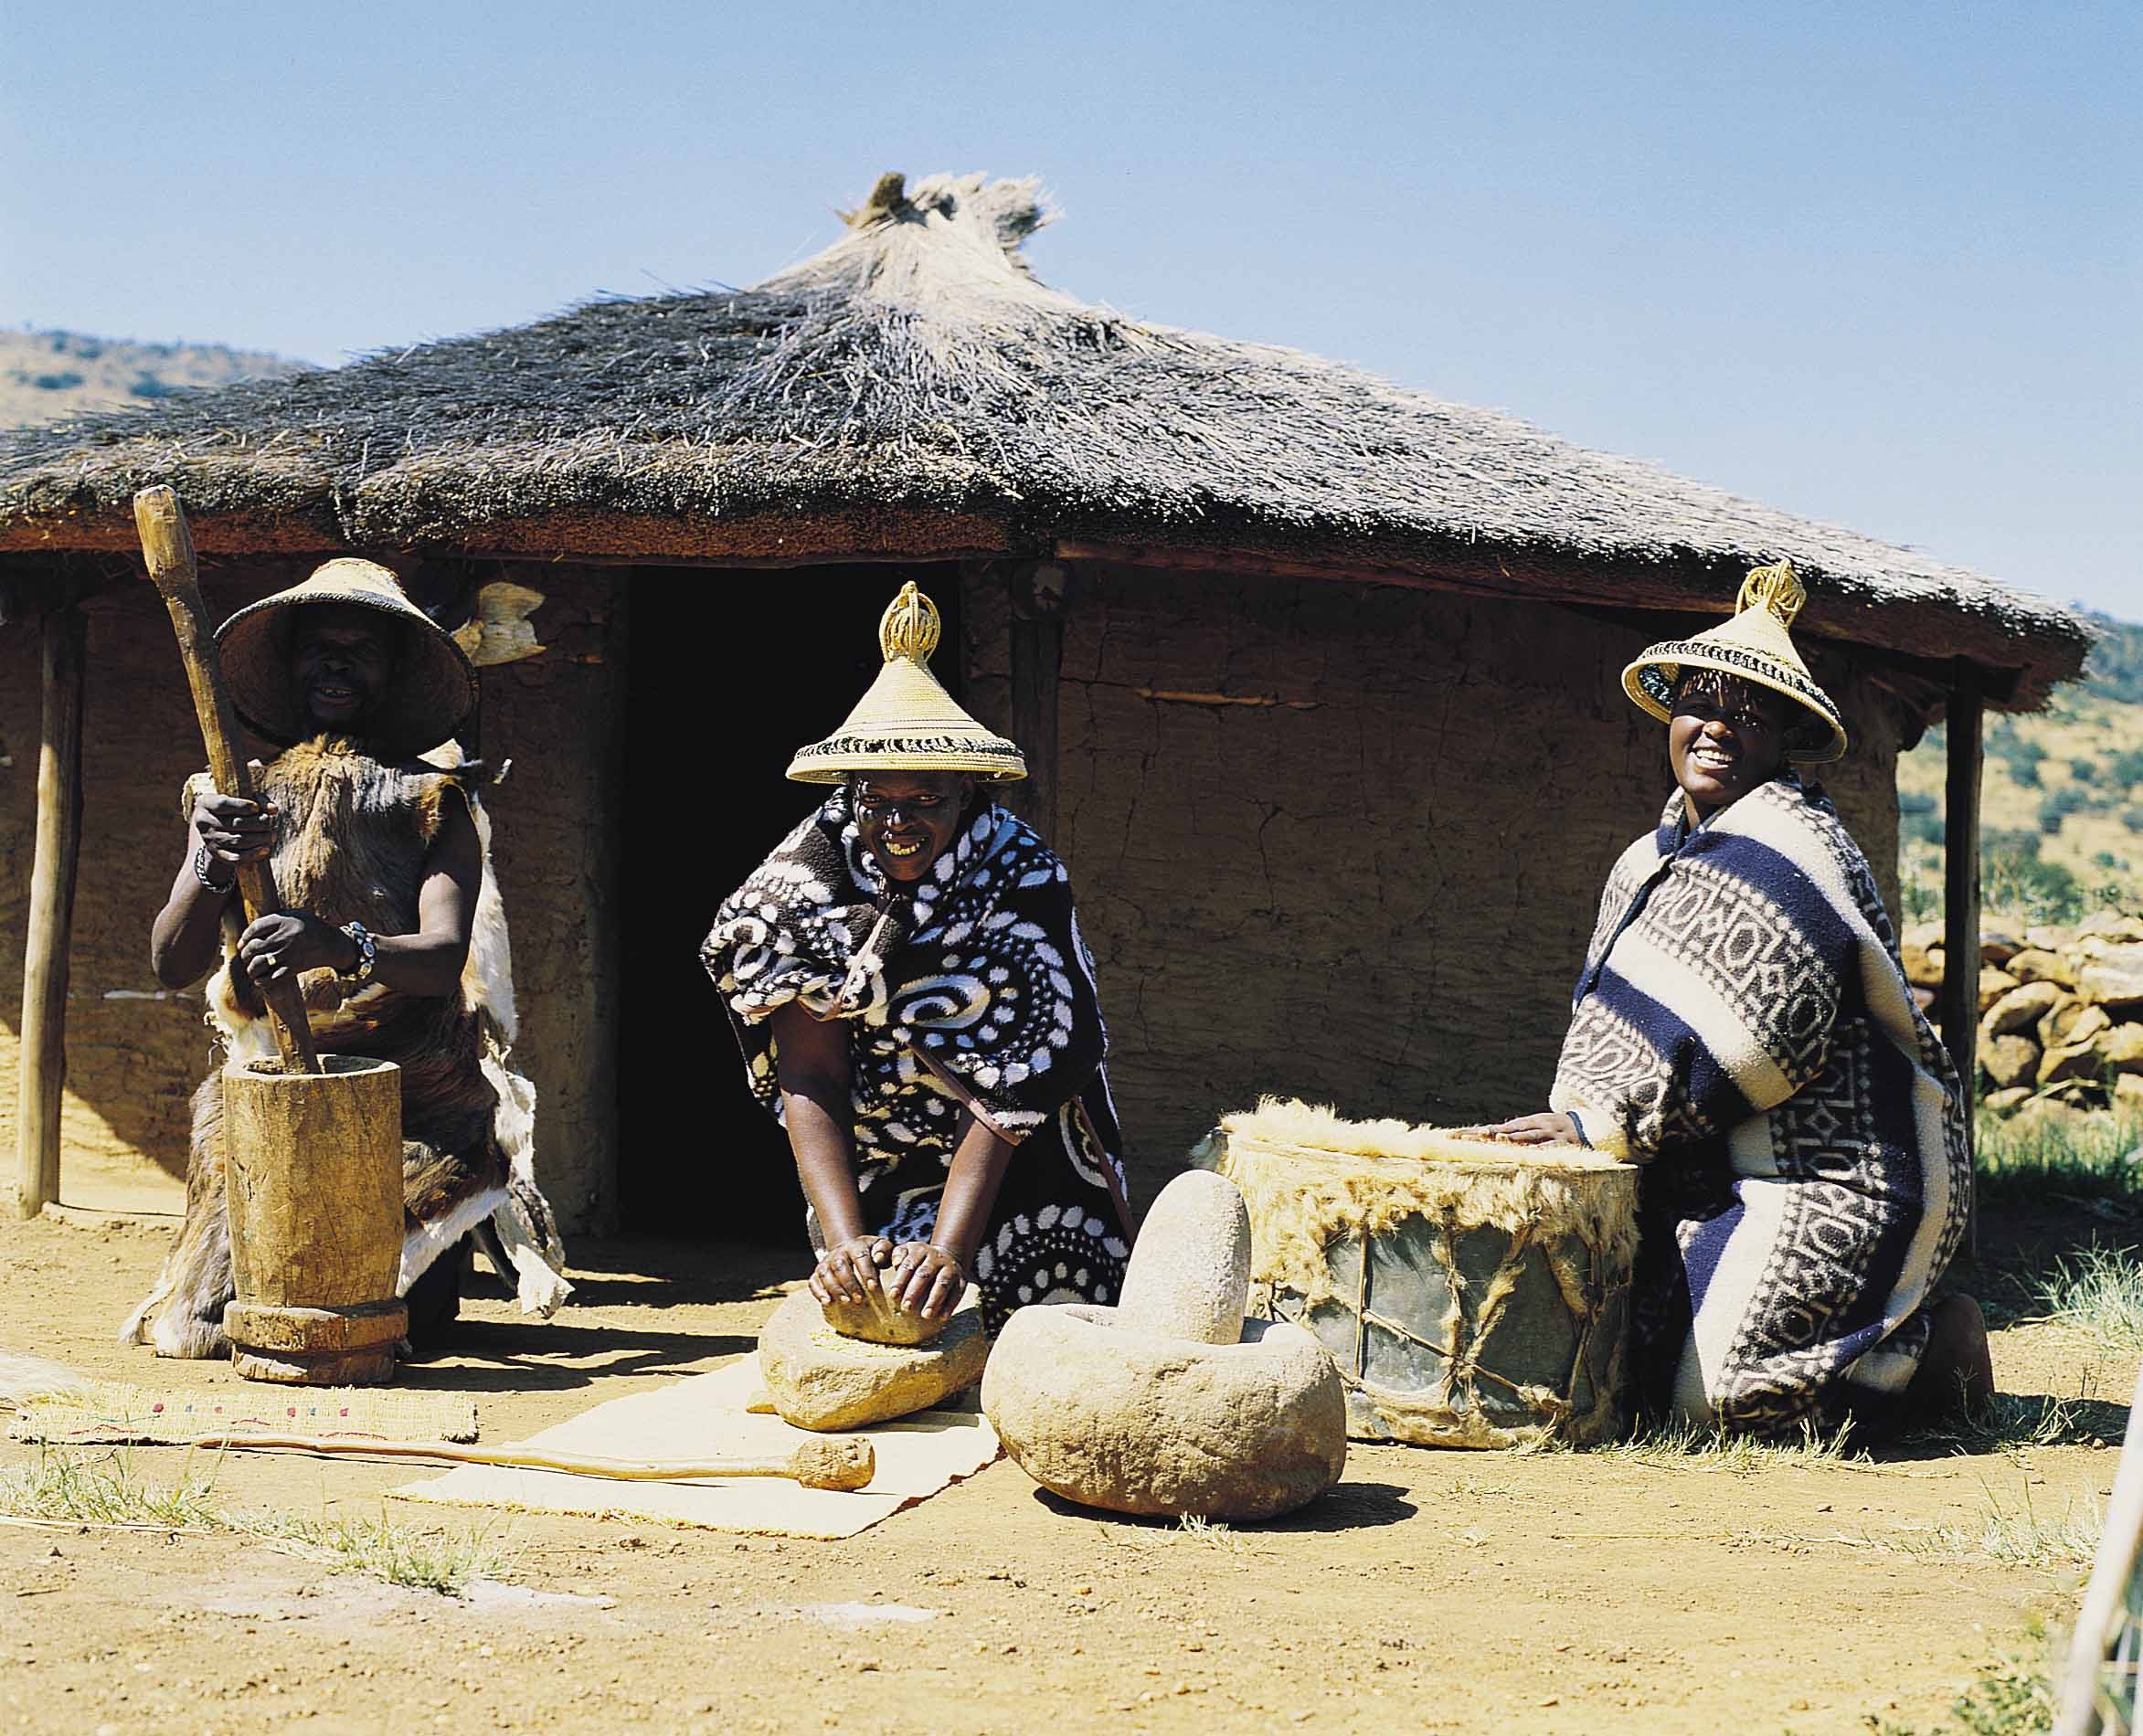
(1754, 645)
(908, 722)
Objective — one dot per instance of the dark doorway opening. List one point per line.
(730, 672)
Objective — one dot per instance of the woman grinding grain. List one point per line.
(1742, 1029)
(917, 1007)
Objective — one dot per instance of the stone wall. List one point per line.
(1346, 841)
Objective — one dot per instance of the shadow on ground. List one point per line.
(1348, 1508)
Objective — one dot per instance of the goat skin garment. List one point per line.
(1744, 1028)
(970, 993)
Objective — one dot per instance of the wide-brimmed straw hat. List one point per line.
(1754, 644)
(431, 689)
(908, 722)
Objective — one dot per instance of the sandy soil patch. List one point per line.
(1444, 1590)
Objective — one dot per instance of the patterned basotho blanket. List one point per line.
(973, 993)
(1744, 1028)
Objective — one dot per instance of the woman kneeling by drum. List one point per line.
(917, 1007)
(1743, 1028)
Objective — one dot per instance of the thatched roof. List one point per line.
(914, 390)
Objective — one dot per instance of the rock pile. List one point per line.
(2061, 1009)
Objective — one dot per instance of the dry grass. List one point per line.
(382, 1550)
(1212, 1533)
(2015, 1423)
(2013, 1537)
(2098, 1292)
(1692, 1446)
(108, 1489)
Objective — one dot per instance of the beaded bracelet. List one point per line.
(363, 938)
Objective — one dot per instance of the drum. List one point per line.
(1472, 1293)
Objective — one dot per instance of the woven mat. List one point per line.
(110, 1411)
(705, 1415)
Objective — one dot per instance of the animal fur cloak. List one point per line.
(1745, 1029)
(352, 836)
(971, 992)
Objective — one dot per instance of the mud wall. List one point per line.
(134, 1050)
(1345, 841)
(1341, 840)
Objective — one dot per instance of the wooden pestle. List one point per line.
(167, 548)
(833, 1462)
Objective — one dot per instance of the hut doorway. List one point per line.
(729, 671)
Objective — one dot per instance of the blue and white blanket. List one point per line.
(1745, 1029)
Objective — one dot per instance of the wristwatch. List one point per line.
(363, 938)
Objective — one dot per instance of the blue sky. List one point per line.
(1881, 264)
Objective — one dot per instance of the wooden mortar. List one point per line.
(315, 1189)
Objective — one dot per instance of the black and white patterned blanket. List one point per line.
(1744, 1028)
(974, 993)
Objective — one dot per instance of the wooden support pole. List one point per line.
(1037, 657)
(51, 923)
(1958, 1003)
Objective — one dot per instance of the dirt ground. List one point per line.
(1431, 1590)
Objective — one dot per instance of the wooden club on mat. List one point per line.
(833, 1462)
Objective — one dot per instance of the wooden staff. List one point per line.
(833, 1462)
(168, 548)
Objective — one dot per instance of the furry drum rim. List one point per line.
(314, 1192)
(1473, 1293)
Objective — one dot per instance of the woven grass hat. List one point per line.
(1754, 645)
(430, 691)
(907, 722)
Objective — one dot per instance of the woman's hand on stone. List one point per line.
(289, 941)
(235, 830)
(847, 1267)
(1550, 1128)
(927, 1281)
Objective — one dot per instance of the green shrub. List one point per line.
(2115, 667)
(2017, 881)
(2059, 805)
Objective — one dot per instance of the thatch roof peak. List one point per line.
(951, 240)
(914, 390)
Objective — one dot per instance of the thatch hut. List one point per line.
(1318, 675)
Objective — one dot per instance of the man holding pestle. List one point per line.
(379, 845)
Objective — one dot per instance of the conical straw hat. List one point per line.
(907, 722)
(430, 691)
(1752, 644)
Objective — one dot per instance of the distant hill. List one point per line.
(45, 375)
(2061, 801)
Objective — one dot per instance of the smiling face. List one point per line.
(909, 818)
(342, 658)
(1726, 736)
